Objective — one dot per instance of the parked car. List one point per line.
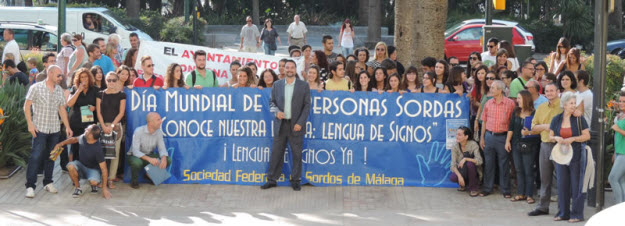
(91, 23)
(464, 37)
(615, 46)
(31, 37)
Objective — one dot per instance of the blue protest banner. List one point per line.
(224, 136)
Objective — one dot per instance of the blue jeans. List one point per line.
(42, 145)
(268, 51)
(495, 155)
(569, 180)
(347, 51)
(524, 165)
(617, 178)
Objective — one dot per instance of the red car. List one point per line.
(465, 38)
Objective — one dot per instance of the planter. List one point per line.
(8, 171)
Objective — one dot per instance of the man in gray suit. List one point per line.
(290, 101)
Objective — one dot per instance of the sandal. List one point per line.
(507, 196)
(575, 220)
(518, 198)
(111, 185)
(461, 189)
(474, 193)
(484, 194)
(530, 200)
(559, 219)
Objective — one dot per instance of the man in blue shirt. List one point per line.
(100, 59)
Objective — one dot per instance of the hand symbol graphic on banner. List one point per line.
(437, 162)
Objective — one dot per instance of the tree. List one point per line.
(405, 31)
(132, 8)
(255, 12)
(363, 12)
(374, 24)
(420, 29)
(616, 18)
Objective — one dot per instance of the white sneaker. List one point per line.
(50, 188)
(30, 193)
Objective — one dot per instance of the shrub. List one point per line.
(175, 30)
(15, 140)
(149, 21)
(546, 34)
(37, 55)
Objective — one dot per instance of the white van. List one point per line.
(91, 23)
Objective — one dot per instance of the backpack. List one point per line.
(194, 76)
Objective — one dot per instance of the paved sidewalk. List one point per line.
(248, 205)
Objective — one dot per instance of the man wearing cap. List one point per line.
(540, 124)
(496, 118)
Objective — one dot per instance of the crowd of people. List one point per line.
(528, 118)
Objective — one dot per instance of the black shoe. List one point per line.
(134, 184)
(537, 213)
(268, 185)
(94, 188)
(296, 186)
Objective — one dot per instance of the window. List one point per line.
(44, 41)
(97, 23)
(469, 34)
(20, 36)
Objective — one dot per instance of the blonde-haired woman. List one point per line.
(111, 52)
(381, 53)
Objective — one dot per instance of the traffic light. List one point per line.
(499, 4)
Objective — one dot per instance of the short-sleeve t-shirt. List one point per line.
(109, 105)
(249, 35)
(91, 155)
(342, 85)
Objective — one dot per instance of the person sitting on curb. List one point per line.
(465, 160)
(144, 140)
(90, 158)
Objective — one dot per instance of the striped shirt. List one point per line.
(46, 106)
(497, 115)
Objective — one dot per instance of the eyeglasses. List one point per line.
(491, 78)
(111, 80)
(473, 58)
(491, 47)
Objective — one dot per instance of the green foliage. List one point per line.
(37, 55)
(546, 34)
(147, 22)
(615, 68)
(578, 23)
(15, 140)
(175, 30)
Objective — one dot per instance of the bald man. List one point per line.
(144, 140)
(48, 103)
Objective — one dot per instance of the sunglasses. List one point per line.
(453, 65)
(58, 76)
(491, 47)
(473, 58)
(111, 80)
(150, 65)
(74, 40)
(491, 78)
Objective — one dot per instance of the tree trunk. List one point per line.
(178, 9)
(405, 31)
(363, 12)
(616, 18)
(255, 12)
(155, 5)
(132, 8)
(429, 24)
(375, 23)
(28, 3)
